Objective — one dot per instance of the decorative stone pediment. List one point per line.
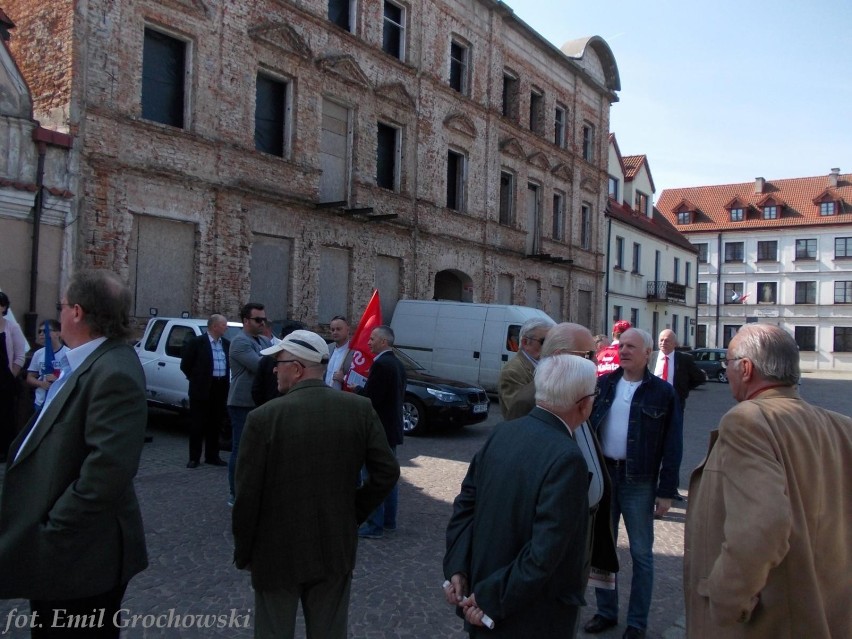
(511, 146)
(281, 36)
(192, 6)
(563, 172)
(395, 92)
(590, 184)
(460, 124)
(346, 68)
(539, 160)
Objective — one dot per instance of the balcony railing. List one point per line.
(667, 292)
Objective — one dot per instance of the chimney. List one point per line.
(832, 178)
(759, 183)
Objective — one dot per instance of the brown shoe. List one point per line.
(598, 624)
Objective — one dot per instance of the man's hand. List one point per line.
(661, 506)
(456, 589)
(473, 613)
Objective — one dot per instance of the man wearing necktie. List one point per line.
(71, 533)
(677, 368)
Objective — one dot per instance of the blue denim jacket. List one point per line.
(654, 434)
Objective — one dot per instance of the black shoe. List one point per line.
(598, 624)
(192, 464)
(633, 633)
(679, 497)
(216, 462)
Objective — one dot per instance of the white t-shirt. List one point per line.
(334, 364)
(614, 440)
(37, 366)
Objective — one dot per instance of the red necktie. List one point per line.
(665, 374)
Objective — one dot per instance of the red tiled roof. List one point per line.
(632, 164)
(658, 225)
(797, 197)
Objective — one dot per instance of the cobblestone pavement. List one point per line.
(396, 590)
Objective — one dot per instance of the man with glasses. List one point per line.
(515, 386)
(638, 422)
(297, 502)
(244, 357)
(769, 522)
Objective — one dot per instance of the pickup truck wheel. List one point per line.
(413, 416)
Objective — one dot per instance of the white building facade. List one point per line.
(776, 252)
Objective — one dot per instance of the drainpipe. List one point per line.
(606, 276)
(31, 317)
(718, 289)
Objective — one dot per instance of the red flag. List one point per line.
(362, 358)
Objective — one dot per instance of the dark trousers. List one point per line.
(87, 618)
(206, 417)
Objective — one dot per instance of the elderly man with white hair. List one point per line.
(517, 540)
(515, 386)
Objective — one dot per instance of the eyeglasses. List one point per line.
(259, 320)
(289, 361)
(59, 306)
(728, 360)
(540, 340)
(595, 395)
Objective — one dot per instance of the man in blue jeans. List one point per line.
(639, 424)
(245, 358)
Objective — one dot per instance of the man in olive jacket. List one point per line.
(769, 523)
(71, 533)
(298, 505)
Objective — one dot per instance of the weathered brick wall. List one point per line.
(42, 43)
(208, 174)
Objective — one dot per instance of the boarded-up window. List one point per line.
(334, 152)
(163, 71)
(533, 294)
(388, 275)
(162, 266)
(584, 309)
(557, 298)
(333, 284)
(505, 286)
(270, 275)
(270, 115)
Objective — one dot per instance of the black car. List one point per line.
(432, 401)
(712, 362)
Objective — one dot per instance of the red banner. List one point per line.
(362, 358)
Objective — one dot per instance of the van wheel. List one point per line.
(413, 416)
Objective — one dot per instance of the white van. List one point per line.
(459, 340)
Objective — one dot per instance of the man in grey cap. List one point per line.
(298, 505)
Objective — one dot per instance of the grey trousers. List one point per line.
(325, 605)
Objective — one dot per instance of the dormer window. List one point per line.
(684, 217)
(827, 208)
(770, 212)
(737, 215)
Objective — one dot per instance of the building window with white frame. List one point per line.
(770, 212)
(270, 115)
(842, 247)
(558, 231)
(455, 180)
(843, 339)
(702, 292)
(612, 188)
(702, 252)
(806, 292)
(637, 259)
(827, 208)
(676, 269)
(164, 69)
(507, 198)
(684, 217)
(641, 203)
(388, 143)
(806, 249)
(767, 251)
(687, 278)
(733, 293)
(734, 252)
(805, 338)
(634, 317)
(737, 215)
(619, 253)
(459, 66)
(843, 292)
(393, 30)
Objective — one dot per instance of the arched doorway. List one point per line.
(454, 285)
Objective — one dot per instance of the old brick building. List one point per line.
(301, 153)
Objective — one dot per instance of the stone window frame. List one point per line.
(460, 65)
(507, 195)
(286, 111)
(188, 59)
(396, 153)
(351, 16)
(400, 27)
(459, 199)
(560, 125)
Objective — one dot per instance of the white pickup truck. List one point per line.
(159, 351)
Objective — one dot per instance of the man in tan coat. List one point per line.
(515, 386)
(769, 524)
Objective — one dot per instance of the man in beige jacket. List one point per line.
(769, 524)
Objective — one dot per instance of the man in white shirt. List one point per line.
(341, 357)
(38, 376)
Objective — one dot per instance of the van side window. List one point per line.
(512, 337)
(178, 336)
(154, 335)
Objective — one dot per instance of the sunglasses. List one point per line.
(259, 320)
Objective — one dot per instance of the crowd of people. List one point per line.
(591, 439)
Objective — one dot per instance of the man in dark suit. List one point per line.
(385, 387)
(204, 361)
(71, 533)
(518, 538)
(297, 504)
(680, 371)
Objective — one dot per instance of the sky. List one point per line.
(724, 91)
